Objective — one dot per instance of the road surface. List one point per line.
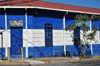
(83, 63)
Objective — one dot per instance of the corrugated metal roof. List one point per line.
(43, 4)
(84, 3)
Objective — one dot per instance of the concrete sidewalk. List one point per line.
(18, 61)
(35, 62)
(41, 61)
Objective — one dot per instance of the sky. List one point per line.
(85, 3)
(1, 0)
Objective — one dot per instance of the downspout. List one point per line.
(64, 20)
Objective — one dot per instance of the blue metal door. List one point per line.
(48, 35)
(16, 41)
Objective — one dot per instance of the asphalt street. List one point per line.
(83, 63)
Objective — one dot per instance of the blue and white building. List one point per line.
(39, 27)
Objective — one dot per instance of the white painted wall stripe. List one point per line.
(36, 37)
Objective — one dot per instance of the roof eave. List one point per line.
(49, 9)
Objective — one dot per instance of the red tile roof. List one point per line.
(55, 6)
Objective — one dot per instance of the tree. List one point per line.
(82, 21)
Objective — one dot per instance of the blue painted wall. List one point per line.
(1, 52)
(71, 50)
(16, 14)
(19, 56)
(16, 40)
(38, 52)
(96, 24)
(68, 22)
(96, 49)
(2, 19)
(38, 18)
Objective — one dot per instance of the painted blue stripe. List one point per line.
(96, 49)
(38, 52)
(2, 19)
(71, 50)
(19, 56)
(1, 52)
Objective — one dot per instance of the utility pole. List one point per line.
(2, 43)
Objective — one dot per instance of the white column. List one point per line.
(26, 31)
(26, 52)
(6, 52)
(64, 35)
(26, 16)
(5, 19)
(64, 20)
(91, 42)
(99, 36)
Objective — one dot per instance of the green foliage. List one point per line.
(70, 27)
(81, 18)
(94, 17)
(30, 56)
(88, 37)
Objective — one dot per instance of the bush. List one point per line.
(30, 56)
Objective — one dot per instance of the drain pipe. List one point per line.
(64, 20)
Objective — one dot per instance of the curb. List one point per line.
(14, 63)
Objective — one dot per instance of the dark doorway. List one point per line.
(48, 35)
